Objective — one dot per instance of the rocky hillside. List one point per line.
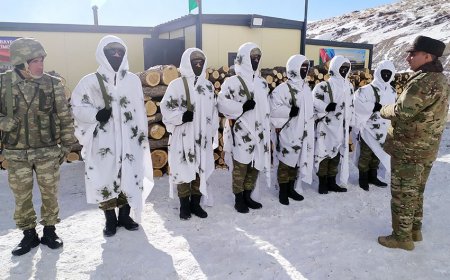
(391, 28)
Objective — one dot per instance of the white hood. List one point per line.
(293, 68)
(105, 68)
(185, 64)
(378, 80)
(242, 63)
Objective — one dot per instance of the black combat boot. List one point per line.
(50, 238)
(249, 201)
(292, 193)
(185, 208)
(30, 240)
(364, 180)
(283, 195)
(124, 219)
(239, 203)
(111, 223)
(373, 179)
(323, 185)
(332, 186)
(196, 209)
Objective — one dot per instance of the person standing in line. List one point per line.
(370, 128)
(34, 117)
(189, 110)
(418, 119)
(333, 106)
(111, 125)
(292, 115)
(243, 100)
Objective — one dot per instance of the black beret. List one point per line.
(428, 45)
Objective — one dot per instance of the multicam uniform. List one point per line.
(418, 120)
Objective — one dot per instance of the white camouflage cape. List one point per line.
(191, 144)
(251, 129)
(117, 153)
(296, 139)
(332, 132)
(371, 127)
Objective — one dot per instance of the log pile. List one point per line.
(154, 84)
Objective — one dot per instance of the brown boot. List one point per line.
(417, 235)
(390, 242)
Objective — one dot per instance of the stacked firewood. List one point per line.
(154, 84)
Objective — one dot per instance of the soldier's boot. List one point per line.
(417, 235)
(30, 240)
(364, 180)
(124, 219)
(373, 179)
(185, 208)
(50, 238)
(292, 193)
(239, 203)
(332, 186)
(196, 209)
(111, 223)
(283, 195)
(390, 242)
(323, 185)
(249, 201)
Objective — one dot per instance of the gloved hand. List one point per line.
(65, 150)
(248, 105)
(377, 107)
(103, 115)
(293, 112)
(331, 107)
(188, 116)
(8, 124)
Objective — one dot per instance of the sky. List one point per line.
(154, 12)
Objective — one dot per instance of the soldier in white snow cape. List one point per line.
(189, 110)
(244, 102)
(333, 106)
(111, 124)
(292, 115)
(370, 128)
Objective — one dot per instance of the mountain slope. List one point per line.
(391, 28)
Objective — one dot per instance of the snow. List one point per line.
(330, 236)
(390, 28)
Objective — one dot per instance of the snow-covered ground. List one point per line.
(330, 236)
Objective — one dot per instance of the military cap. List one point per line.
(428, 45)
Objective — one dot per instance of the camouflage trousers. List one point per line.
(45, 164)
(244, 176)
(367, 159)
(328, 167)
(286, 173)
(407, 187)
(118, 202)
(186, 189)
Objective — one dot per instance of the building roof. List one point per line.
(227, 19)
(50, 27)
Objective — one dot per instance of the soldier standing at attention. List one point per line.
(34, 116)
(111, 124)
(244, 101)
(418, 119)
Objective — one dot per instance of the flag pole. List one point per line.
(199, 6)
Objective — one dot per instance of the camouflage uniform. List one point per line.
(286, 173)
(188, 189)
(367, 158)
(329, 166)
(40, 119)
(244, 177)
(418, 119)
